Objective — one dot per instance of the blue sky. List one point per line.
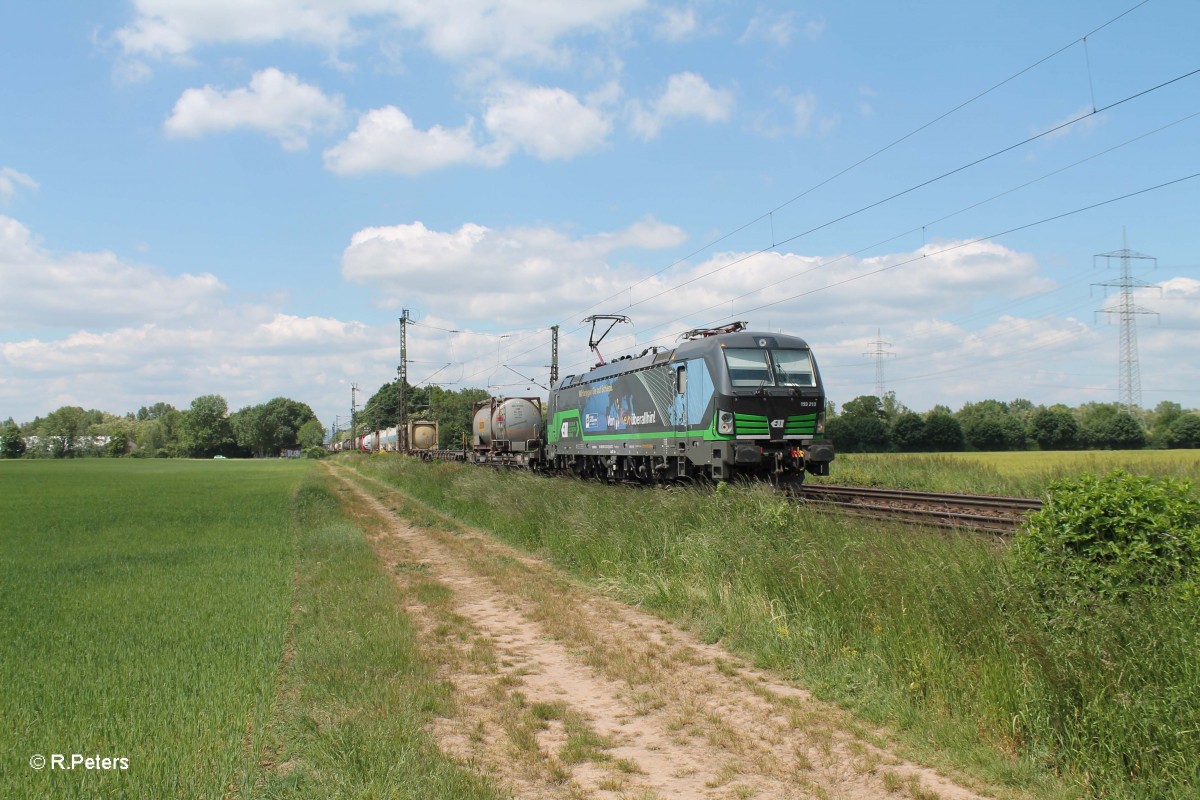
(239, 196)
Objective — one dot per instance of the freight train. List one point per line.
(723, 404)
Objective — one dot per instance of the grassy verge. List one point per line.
(356, 693)
(927, 634)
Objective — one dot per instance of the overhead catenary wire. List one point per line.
(829, 262)
(906, 191)
(770, 213)
(917, 186)
(948, 249)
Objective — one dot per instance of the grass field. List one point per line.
(217, 624)
(1024, 473)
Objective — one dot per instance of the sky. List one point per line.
(241, 197)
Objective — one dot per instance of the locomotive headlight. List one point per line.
(821, 422)
(725, 422)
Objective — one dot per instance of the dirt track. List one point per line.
(562, 693)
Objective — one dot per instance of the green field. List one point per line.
(148, 607)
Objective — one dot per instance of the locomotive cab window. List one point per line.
(793, 367)
(752, 368)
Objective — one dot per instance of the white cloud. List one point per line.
(138, 336)
(454, 30)
(169, 28)
(246, 354)
(548, 123)
(677, 24)
(77, 289)
(509, 29)
(90, 329)
(513, 274)
(275, 103)
(386, 139)
(776, 29)
(10, 179)
(687, 95)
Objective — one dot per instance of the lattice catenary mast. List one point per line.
(1130, 382)
(402, 385)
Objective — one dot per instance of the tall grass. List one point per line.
(930, 634)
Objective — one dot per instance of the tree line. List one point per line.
(868, 424)
(451, 409)
(203, 430)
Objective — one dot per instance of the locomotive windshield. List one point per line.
(760, 366)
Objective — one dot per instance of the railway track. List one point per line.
(977, 512)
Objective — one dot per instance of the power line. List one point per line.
(864, 160)
(925, 254)
(911, 189)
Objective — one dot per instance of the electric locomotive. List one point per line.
(723, 404)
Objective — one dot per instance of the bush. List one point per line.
(1112, 536)
(1184, 432)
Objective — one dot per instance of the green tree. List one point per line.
(1161, 419)
(311, 434)
(892, 407)
(158, 433)
(988, 426)
(267, 428)
(1115, 431)
(453, 410)
(1054, 429)
(63, 429)
(861, 427)
(908, 433)
(1184, 432)
(12, 443)
(383, 408)
(205, 427)
(943, 434)
(866, 405)
(118, 444)
(156, 411)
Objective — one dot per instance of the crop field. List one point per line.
(1023, 473)
(189, 621)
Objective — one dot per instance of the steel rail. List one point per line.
(999, 514)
